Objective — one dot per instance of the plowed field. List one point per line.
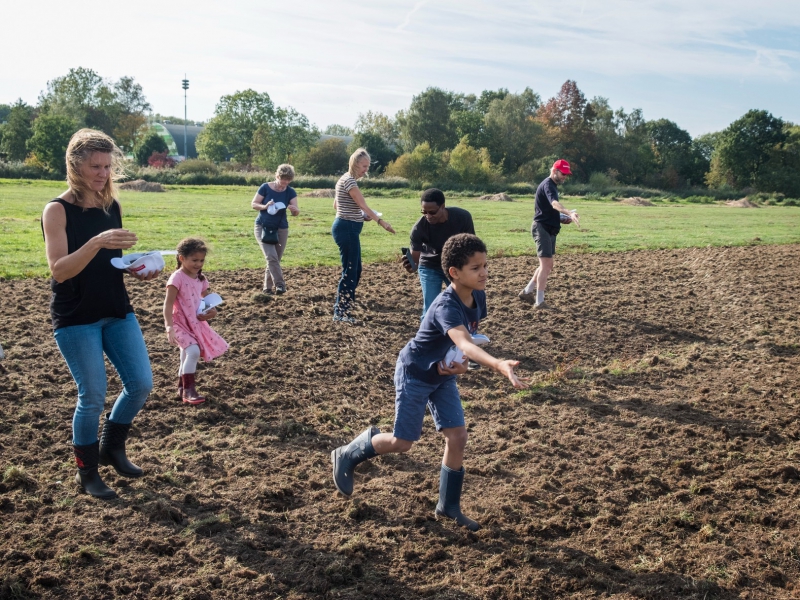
(656, 456)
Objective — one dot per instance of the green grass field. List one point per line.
(223, 217)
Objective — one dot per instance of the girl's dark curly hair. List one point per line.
(459, 249)
(189, 246)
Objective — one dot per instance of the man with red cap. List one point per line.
(546, 225)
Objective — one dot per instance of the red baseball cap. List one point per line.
(563, 166)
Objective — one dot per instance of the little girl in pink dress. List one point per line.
(185, 327)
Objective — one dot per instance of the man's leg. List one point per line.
(431, 281)
(545, 267)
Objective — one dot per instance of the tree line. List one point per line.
(443, 137)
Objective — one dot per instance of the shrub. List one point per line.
(160, 160)
(700, 199)
(317, 182)
(51, 134)
(385, 183)
(420, 164)
(212, 179)
(472, 166)
(152, 143)
(327, 157)
(196, 165)
(599, 180)
(25, 170)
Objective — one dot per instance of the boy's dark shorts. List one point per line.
(545, 242)
(412, 396)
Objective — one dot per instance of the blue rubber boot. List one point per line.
(450, 484)
(346, 458)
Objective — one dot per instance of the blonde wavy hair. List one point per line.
(81, 146)
(357, 156)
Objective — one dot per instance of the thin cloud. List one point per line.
(407, 20)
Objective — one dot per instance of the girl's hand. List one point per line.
(458, 368)
(294, 210)
(171, 336)
(386, 225)
(208, 315)
(506, 367)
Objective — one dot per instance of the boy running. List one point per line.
(421, 380)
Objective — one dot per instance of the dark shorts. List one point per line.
(545, 243)
(413, 396)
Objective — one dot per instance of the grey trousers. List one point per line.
(273, 275)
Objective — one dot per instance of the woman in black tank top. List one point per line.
(91, 313)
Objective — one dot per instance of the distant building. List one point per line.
(173, 136)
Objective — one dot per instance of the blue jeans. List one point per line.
(431, 281)
(83, 347)
(347, 234)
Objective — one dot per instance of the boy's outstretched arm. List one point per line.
(462, 338)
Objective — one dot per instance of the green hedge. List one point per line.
(256, 178)
(19, 170)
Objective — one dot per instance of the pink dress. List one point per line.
(187, 327)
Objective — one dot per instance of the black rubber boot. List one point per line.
(87, 476)
(346, 458)
(112, 448)
(450, 484)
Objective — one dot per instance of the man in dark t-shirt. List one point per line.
(437, 225)
(547, 220)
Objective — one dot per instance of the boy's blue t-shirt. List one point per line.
(279, 219)
(431, 343)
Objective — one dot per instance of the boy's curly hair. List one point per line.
(189, 246)
(459, 249)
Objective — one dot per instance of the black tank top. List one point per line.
(98, 291)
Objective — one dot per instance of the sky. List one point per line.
(699, 64)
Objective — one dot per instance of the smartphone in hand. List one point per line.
(407, 253)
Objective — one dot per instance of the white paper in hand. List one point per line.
(274, 208)
(455, 355)
(141, 263)
(209, 302)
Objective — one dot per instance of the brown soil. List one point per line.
(655, 458)
(635, 201)
(140, 185)
(502, 197)
(742, 203)
(327, 193)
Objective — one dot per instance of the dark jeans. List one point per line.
(347, 234)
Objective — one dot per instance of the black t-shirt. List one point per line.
(546, 194)
(98, 291)
(429, 239)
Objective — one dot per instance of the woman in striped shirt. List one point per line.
(351, 212)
